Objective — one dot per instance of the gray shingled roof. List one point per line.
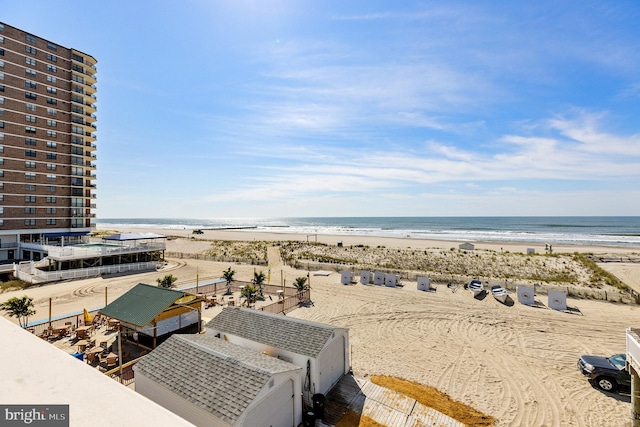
(295, 335)
(215, 375)
(141, 304)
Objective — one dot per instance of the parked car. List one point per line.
(197, 232)
(606, 373)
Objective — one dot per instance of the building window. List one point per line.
(30, 84)
(30, 153)
(52, 210)
(51, 123)
(52, 90)
(77, 161)
(30, 95)
(51, 177)
(77, 140)
(30, 129)
(1, 52)
(30, 49)
(52, 68)
(77, 150)
(51, 221)
(52, 156)
(30, 199)
(30, 211)
(30, 61)
(1, 160)
(1, 40)
(51, 79)
(30, 119)
(51, 112)
(30, 72)
(30, 176)
(31, 107)
(52, 101)
(1, 64)
(1, 88)
(29, 38)
(52, 46)
(30, 165)
(1, 76)
(51, 189)
(51, 166)
(1, 100)
(30, 187)
(30, 141)
(51, 144)
(28, 222)
(52, 134)
(1, 125)
(51, 199)
(77, 129)
(52, 58)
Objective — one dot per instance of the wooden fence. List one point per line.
(181, 255)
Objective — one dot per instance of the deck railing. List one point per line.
(27, 272)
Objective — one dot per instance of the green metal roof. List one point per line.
(141, 304)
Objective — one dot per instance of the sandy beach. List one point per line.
(516, 363)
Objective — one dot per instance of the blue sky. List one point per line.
(211, 109)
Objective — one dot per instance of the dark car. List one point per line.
(607, 373)
(197, 232)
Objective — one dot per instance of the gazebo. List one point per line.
(148, 315)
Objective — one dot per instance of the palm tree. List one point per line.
(228, 276)
(301, 284)
(167, 281)
(258, 280)
(21, 308)
(248, 292)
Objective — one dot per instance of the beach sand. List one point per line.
(514, 362)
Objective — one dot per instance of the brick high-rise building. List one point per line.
(47, 143)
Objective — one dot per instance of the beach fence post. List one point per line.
(49, 313)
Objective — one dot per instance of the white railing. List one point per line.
(6, 267)
(75, 252)
(633, 348)
(28, 273)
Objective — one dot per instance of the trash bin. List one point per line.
(318, 405)
(309, 419)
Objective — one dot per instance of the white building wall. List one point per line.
(268, 404)
(297, 359)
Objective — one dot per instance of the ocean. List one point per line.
(611, 231)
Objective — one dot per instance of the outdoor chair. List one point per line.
(112, 361)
